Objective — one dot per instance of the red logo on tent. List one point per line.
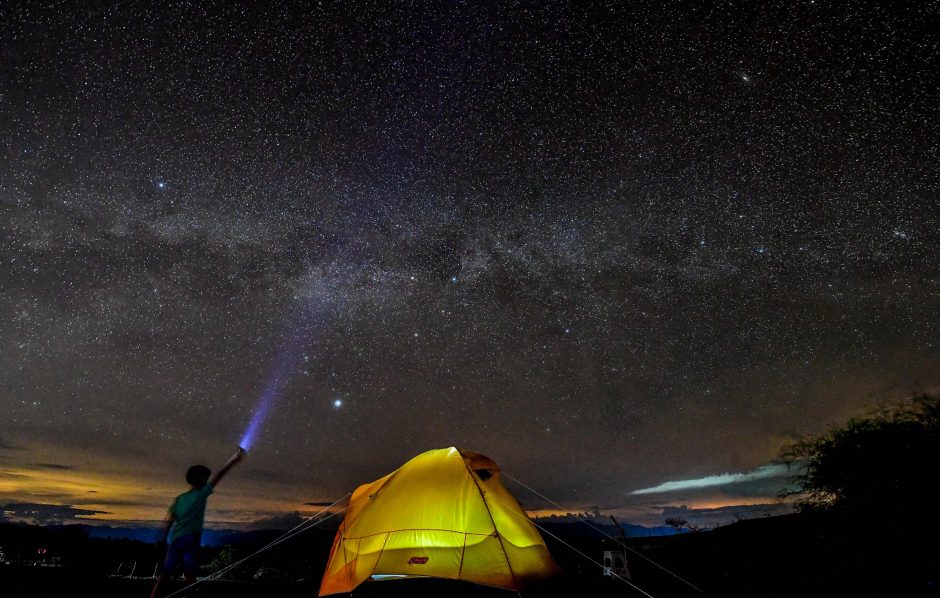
(417, 560)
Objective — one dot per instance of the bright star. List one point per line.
(337, 403)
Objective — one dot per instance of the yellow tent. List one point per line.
(444, 514)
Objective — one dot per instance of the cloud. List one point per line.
(44, 514)
(104, 502)
(7, 446)
(711, 517)
(761, 473)
(58, 466)
(319, 503)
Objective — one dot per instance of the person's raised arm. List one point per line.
(235, 458)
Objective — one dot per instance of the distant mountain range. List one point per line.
(210, 537)
(221, 537)
(593, 527)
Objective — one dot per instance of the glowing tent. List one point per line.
(444, 513)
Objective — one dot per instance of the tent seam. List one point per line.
(463, 553)
(381, 552)
(499, 536)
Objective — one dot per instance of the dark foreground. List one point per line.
(59, 582)
(794, 555)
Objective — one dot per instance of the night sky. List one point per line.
(610, 247)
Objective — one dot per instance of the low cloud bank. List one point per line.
(763, 472)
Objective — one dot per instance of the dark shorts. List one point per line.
(185, 550)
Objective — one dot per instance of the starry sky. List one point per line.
(613, 246)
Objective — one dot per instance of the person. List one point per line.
(184, 520)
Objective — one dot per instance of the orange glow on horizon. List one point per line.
(123, 492)
(123, 497)
(644, 512)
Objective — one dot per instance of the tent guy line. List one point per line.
(594, 527)
(313, 521)
(623, 579)
(282, 538)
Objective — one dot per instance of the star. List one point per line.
(187, 251)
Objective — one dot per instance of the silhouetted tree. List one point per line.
(676, 522)
(882, 464)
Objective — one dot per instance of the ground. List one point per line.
(778, 556)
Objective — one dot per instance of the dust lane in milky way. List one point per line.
(612, 248)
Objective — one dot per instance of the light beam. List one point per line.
(286, 362)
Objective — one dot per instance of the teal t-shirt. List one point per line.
(188, 511)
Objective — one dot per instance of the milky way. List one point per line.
(607, 247)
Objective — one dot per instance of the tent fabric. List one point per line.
(444, 513)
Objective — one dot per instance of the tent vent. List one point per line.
(484, 474)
